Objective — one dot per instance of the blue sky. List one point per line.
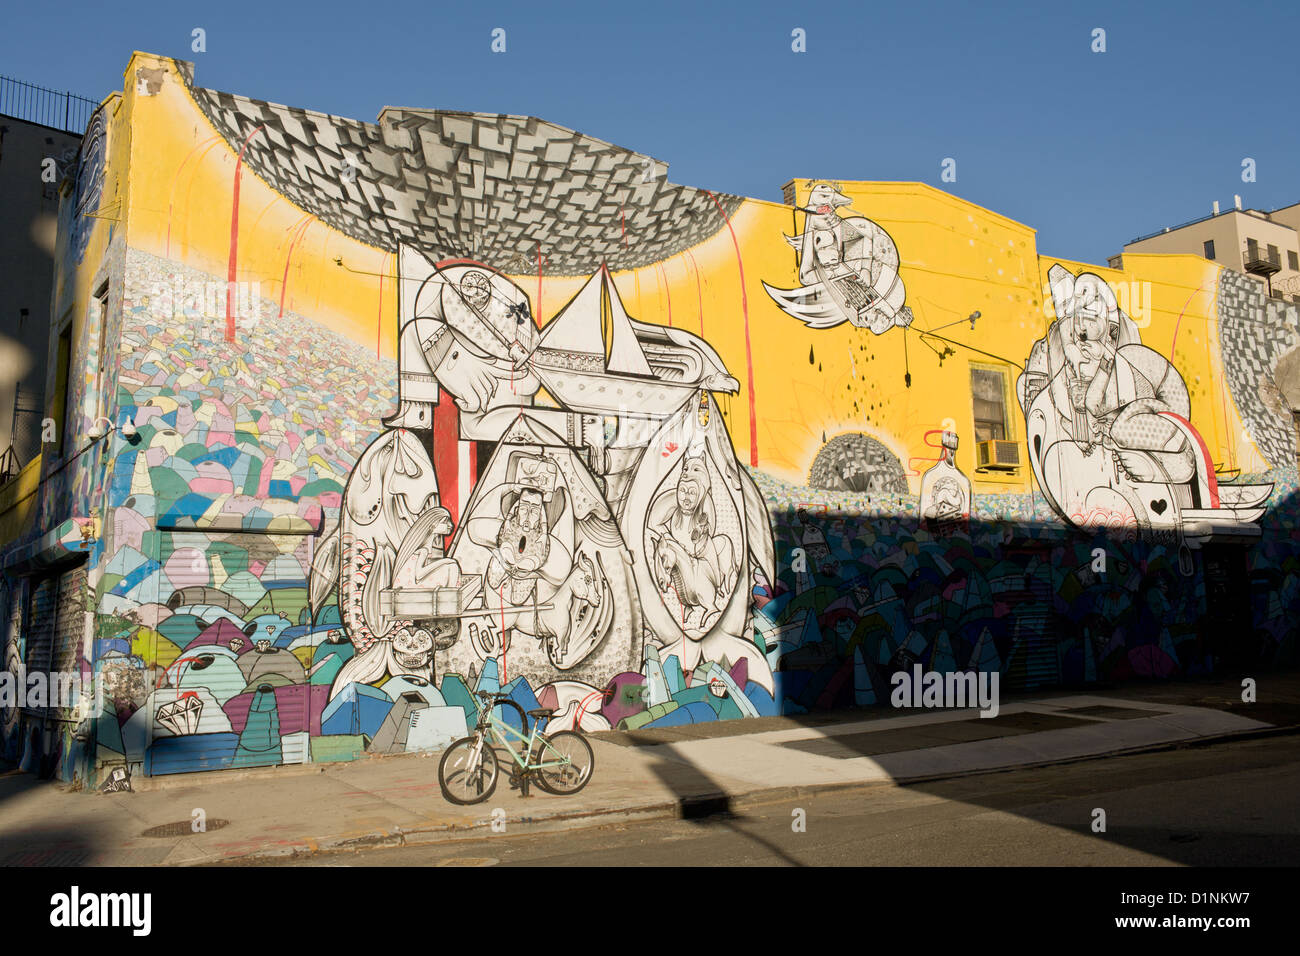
(1091, 149)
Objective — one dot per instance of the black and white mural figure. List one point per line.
(1107, 424)
(613, 517)
(695, 567)
(848, 267)
(391, 488)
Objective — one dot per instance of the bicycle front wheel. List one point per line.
(468, 771)
(566, 762)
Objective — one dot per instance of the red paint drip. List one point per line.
(501, 595)
(171, 198)
(234, 241)
(667, 292)
(699, 293)
(1174, 344)
(302, 227)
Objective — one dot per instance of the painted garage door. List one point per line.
(232, 649)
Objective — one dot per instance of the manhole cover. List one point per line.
(183, 828)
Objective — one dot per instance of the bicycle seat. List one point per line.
(541, 712)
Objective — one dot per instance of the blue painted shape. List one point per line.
(259, 744)
(329, 616)
(123, 469)
(401, 684)
(190, 753)
(864, 692)
(225, 456)
(279, 488)
(105, 645)
(701, 713)
(136, 576)
(358, 709)
(489, 681)
(189, 506)
(522, 695)
(344, 649)
(790, 685)
(691, 695)
(329, 665)
(762, 700)
(728, 709)
(674, 718)
(180, 629)
(108, 732)
(655, 679)
(290, 634)
(673, 674)
(456, 694)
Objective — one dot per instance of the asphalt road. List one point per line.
(1232, 804)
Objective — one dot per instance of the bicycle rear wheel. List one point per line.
(468, 771)
(571, 762)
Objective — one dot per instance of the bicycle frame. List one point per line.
(489, 723)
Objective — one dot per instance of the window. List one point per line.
(99, 322)
(62, 383)
(1274, 255)
(988, 388)
(1209, 248)
(1292, 261)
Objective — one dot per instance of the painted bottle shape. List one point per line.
(946, 493)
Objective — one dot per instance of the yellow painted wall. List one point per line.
(956, 258)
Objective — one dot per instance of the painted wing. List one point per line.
(822, 314)
(324, 570)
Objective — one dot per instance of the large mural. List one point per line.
(610, 526)
(499, 407)
(1108, 429)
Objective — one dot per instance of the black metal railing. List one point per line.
(1261, 262)
(35, 104)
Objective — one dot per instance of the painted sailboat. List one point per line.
(594, 356)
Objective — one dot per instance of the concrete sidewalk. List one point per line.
(394, 801)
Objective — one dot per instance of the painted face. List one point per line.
(692, 485)
(523, 539)
(413, 648)
(1094, 336)
(822, 198)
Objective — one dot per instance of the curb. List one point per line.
(696, 806)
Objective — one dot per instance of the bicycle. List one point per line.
(561, 763)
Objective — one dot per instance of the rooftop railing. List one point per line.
(58, 109)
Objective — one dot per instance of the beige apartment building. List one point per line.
(1265, 245)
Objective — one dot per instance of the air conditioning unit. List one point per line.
(997, 455)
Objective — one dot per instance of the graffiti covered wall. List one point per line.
(464, 401)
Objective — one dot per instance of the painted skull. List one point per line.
(413, 648)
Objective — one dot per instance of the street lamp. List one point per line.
(98, 431)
